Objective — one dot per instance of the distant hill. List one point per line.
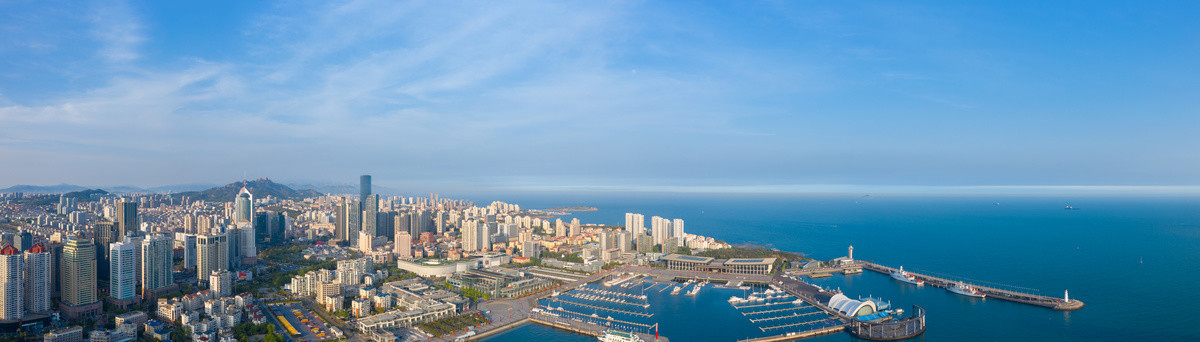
(82, 196)
(44, 189)
(343, 189)
(260, 188)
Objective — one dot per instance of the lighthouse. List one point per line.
(1066, 297)
(850, 253)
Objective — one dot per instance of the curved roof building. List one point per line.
(851, 307)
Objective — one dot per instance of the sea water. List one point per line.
(1134, 261)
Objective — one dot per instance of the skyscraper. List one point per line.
(369, 217)
(364, 187)
(156, 263)
(385, 224)
(248, 250)
(243, 206)
(38, 272)
(233, 237)
(211, 255)
(339, 222)
(403, 223)
(127, 218)
(188, 242)
(269, 227)
(106, 233)
(12, 283)
(78, 273)
(122, 282)
(353, 217)
(136, 241)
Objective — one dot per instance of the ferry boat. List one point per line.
(966, 290)
(618, 336)
(903, 276)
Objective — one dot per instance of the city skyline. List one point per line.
(643, 96)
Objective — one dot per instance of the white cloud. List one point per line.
(119, 31)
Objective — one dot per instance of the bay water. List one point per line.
(1135, 261)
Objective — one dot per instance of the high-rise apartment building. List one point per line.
(677, 231)
(136, 241)
(660, 228)
(635, 223)
(12, 291)
(122, 283)
(156, 263)
(38, 273)
(220, 282)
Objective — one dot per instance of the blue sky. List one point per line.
(590, 94)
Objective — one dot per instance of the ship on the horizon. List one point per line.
(966, 290)
(903, 276)
(1069, 207)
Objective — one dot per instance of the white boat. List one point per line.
(966, 290)
(618, 336)
(903, 276)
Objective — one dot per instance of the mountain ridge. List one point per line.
(260, 188)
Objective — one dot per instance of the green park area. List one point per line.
(450, 325)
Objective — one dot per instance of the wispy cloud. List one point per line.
(494, 91)
(118, 29)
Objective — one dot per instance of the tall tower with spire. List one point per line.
(243, 206)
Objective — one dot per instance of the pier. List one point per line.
(643, 314)
(761, 305)
(612, 293)
(756, 320)
(1055, 303)
(584, 328)
(796, 324)
(799, 335)
(599, 297)
(774, 310)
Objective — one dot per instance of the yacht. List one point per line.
(617, 336)
(966, 290)
(903, 276)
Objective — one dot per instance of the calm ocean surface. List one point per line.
(1030, 242)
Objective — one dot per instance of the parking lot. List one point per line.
(308, 326)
